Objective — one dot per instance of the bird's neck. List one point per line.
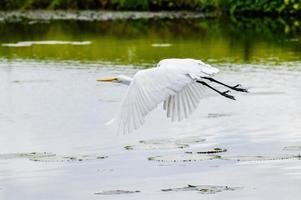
(125, 79)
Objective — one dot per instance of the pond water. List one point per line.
(51, 104)
(147, 41)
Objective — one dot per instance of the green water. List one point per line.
(147, 41)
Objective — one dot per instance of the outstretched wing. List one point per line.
(185, 102)
(172, 80)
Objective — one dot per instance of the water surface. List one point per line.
(147, 41)
(50, 102)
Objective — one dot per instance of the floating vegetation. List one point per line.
(50, 157)
(74, 158)
(184, 158)
(194, 157)
(292, 148)
(261, 158)
(51, 42)
(203, 189)
(165, 143)
(117, 192)
(26, 155)
(210, 151)
(156, 146)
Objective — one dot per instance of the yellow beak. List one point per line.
(107, 79)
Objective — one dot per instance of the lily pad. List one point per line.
(261, 158)
(292, 148)
(156, 146)
(203, 189)
(184, 158)
(165, 143)
(210, 151)
(194, 157)
(74, 158)
(116, 192)
(26, 155)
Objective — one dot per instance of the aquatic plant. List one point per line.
(203, 189)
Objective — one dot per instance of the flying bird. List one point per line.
(178, 83)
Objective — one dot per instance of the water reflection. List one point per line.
(147, 41)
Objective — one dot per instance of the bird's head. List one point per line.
(108, 79)
(118, 79)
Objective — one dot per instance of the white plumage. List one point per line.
(173, 82)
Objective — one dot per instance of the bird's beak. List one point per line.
(107, 79)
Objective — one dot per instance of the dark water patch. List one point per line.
(203, 189)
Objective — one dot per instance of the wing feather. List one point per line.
(172, 82)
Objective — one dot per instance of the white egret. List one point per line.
(178, 83)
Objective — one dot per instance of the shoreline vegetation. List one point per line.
(215, 7)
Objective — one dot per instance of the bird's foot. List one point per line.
(225, 94)
(239, 88)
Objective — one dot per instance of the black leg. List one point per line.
(225, 94)
(236, 87)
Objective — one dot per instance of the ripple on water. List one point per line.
(51, 42)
